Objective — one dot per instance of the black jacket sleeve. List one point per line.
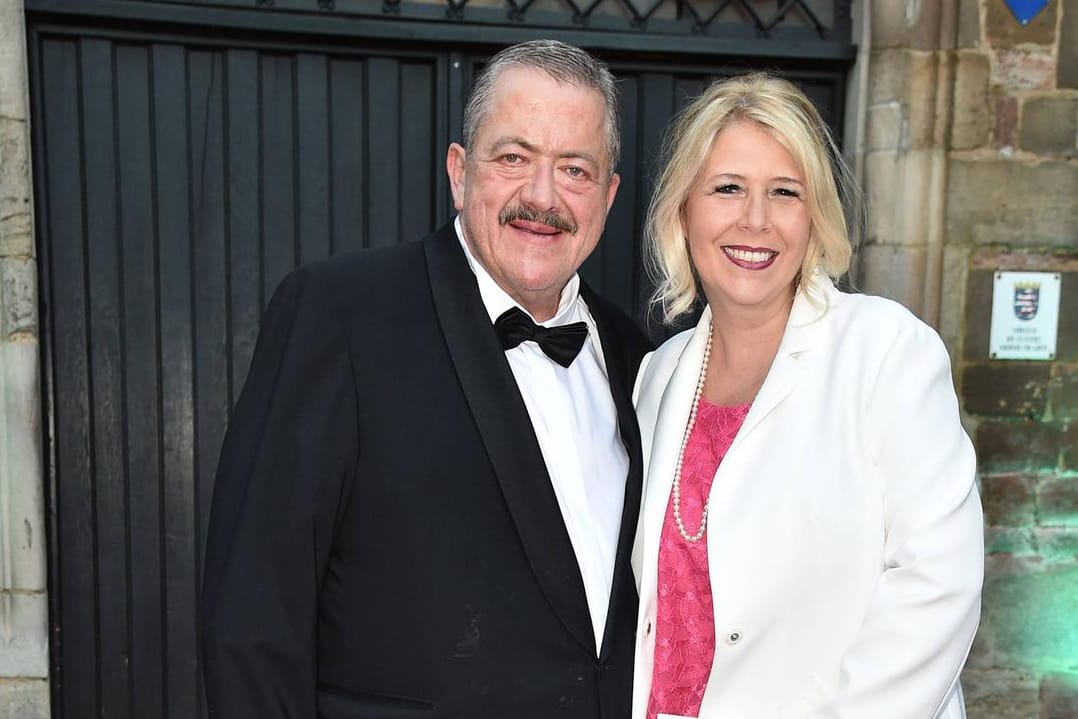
(288, 458)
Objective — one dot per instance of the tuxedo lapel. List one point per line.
(621, 390)
(506, 429)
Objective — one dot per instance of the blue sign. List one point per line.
(1026, 10)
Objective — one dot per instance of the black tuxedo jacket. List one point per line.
(384, 539)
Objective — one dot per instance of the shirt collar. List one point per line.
(497, 301)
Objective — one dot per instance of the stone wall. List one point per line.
(972, 167)
(24, 691)
(1014, 206)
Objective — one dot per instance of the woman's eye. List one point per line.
(786, 192)
(727, 189)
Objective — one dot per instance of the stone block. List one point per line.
(16, 215)
(18, 297)
(13, 83)
(1018, 541)
(979, 287)
(1057, 502)
(1056, 544)
(24, 698)
(952, 301)
(1006, 121)
(1067, 67)
(1006, 389)
(895, 272)
(969, 23)
(1013, 203)
(1029, 618)
(1009, 500)
(1025, 69)
(883, 126)
(1063, 393)
(1050, 125)
(916, 25)
(901, 192)
(1000, 694)
(1059, 696)
(972, 119)
(1004, 30)
(22, 526)
(24, 646)
(1017, 446)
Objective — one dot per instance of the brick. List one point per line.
(969, 23)
(1057, 502)
(1013, 203)
(1059, 696)
(1006, 389)
(18, 297)
(1067, 68)
(1024, 70)
(1029, 618)
(979, 288)
(1067, 329)
(1007, 446)
(24, 648)
(952, 306)
(1018, 541)
(1000, 694)
(1006, 121)
(24, 698)
(1050, 125)
(1004, 30)
(1009, 500)
(972, 119)
(1068, 458)
(883, 126)
(1063, 392)
(1055, 544)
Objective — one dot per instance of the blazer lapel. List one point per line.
(621, 390)
(506, 429)
(802, 333)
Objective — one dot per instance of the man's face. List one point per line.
(534, 193)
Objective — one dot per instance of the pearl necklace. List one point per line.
(681, 457)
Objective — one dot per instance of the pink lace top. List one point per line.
(684, 621)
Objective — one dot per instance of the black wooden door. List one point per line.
(180, 173)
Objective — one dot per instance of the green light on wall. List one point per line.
(1031, 620)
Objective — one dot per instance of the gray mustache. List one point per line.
(547, 217)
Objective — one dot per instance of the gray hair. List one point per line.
(563, 62)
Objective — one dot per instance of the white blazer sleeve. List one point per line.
(907, 656)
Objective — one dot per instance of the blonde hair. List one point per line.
(783, 111)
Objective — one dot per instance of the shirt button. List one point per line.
(733, 637)
(647, 630)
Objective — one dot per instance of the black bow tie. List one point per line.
(561, 344)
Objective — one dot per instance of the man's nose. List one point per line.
(538, 191)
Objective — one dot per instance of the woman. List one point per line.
(810, 542)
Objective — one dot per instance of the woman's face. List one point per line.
(747, 220)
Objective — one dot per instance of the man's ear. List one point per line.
(612, 190)
(455, 160)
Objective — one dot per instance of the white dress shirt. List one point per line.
(573, 414)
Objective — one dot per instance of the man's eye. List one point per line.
(512, 158)
(576, 172)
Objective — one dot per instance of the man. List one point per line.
(419, 513)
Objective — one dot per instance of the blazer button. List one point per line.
(733, 637)
(647, 630)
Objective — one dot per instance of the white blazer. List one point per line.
(844, 533)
